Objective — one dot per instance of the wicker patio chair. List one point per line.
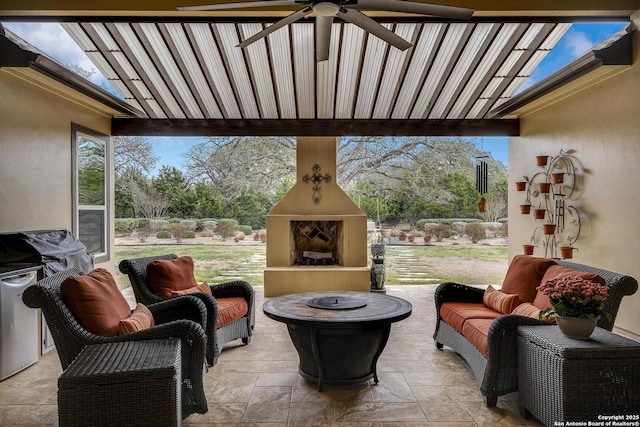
(136, 270)
(175, 318)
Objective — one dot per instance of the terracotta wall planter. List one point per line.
(521, 185)
(549, 228)
(528, 249)
(542, 160)
(558, 177)
(544, 187)
(566, 252)
(525, 209)
(539, 213)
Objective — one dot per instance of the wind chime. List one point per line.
(482, 181)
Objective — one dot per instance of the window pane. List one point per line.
(91, 230)
(91, 171)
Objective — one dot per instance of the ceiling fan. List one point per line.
(347, 10)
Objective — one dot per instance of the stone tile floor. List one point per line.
(259, 384)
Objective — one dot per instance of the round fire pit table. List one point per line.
(339, 335)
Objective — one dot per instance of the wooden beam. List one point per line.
(216, 127)
(166, 8)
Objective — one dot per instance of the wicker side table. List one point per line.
(561, 379)
(134, 383)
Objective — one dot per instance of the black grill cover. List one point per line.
(57, 250)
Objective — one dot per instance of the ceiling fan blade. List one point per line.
(414, 7)
(371, 26)
(323, 37)
(276, 26)
(239, 5)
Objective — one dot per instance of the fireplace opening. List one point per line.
(316, 243)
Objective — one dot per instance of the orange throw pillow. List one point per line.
(203, 287)
(524, 275)
(96, 302)
(499, 301)
(141, 318)
(165, 276)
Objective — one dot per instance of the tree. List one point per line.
(236, 164)
(133, 152)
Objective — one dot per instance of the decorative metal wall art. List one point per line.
(316, 179)
(550, 197)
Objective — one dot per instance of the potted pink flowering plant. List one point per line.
(577, 304)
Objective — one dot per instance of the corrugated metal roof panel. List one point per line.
(195, 69)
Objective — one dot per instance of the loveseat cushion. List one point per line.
(167, 275)
(96, 302)
(499, 301)
(524, 275)
(230, 309)
(477, 331)
(455, 314)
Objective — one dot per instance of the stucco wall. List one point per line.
(36, 156)
(602, 125)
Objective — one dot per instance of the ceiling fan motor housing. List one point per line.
(326, 7)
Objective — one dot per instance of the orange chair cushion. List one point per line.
(96, 302)
(141, 318)
(230, 309)
(524, 275)
(203, 287)
(477, 331)
(165, 276)
(499, 301)
(457, 313)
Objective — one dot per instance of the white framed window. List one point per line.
(91, 220)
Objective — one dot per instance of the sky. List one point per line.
(52, 39)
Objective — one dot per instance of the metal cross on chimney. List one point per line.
(316, 179)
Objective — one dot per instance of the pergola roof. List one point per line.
(194, 71)
(186, 76)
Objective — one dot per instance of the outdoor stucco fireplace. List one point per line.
(316, 235)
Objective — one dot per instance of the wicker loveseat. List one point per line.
(495, 366)
(175, 318)
(217, 336)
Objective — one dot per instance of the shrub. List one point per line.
(476, 231)
(159, 224)
(178, 231)
(125, 225)
(206, 233)
(246, 229)
(190, 235)
(459, 226)
(504, 232)
(440, 231)
(427, 238)
(256, 236)
(189, 224)
(402, 236)
(225, 230)
(143, 233)
(411, 237)
(263, 236)
(144, 222)
(163, 235)
(210, 225)
(394, 233)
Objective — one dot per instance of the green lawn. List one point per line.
(477, 264)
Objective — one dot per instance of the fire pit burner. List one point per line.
(336, 303)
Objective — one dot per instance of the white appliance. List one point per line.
(19, 324)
